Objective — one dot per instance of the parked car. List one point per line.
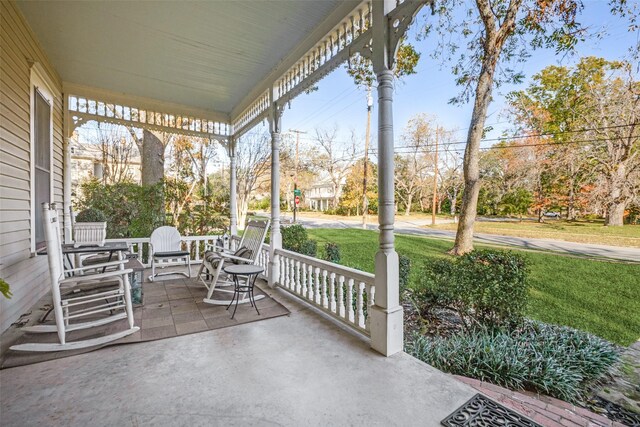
(552, 215)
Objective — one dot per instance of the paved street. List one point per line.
(413, 228)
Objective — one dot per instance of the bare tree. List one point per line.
(415, 160)
(118, 153)
(616, 151)
(334, 158)
(253, 164)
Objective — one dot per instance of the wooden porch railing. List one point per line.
(342, 292)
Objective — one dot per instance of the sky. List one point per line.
(338, 102)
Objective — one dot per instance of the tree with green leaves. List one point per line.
(591, 114)
(493, 36)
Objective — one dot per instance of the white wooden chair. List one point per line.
(247, 253)
(111, 293)
(165, 245)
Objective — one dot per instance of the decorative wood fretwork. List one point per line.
(253, 113)
(83, 109)
(346, 39)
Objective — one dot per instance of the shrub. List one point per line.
(332, 252)
(295, 238)
(485, 286)
(5, 289)
(405, 270)
(131, 210)
(554, 360)
(309, 248)
(91, 215)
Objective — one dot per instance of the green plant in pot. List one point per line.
(90, 228)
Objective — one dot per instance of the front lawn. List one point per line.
(595, 296)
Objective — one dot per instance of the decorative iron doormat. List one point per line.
(482, 411)
(614, 411)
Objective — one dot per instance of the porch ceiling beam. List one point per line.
(87, 103)
(78, 119)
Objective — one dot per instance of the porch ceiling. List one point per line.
(204, 54)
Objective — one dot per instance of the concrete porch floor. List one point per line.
(300, 369)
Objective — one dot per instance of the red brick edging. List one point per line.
(544, 410)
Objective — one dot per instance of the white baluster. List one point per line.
(341, 308)
(360, 289)
(325, 299)
(317, 285)
(303, 278)
(292, 274)
(283, 271)
(371, 294)
(349, 301)
(332, 292)
(297, 278)
(311, 286)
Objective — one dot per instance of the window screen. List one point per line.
(42, 160)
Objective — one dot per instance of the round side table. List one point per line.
(251, 273)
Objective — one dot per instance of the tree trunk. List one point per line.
(453, 201)
(471, 169)
(152, 157)
(615, 214)
(408, 207)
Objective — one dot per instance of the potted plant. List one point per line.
(90, 228)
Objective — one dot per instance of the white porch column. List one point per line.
(276, 237)
(233, 188)
(386, 313)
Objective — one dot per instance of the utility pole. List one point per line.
(296, 192)
(435, 180)
(365, 200)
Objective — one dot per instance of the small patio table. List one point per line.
(249, 271)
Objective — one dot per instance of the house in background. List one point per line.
(87, 162)
(320, 196)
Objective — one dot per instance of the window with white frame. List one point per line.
(41, 153)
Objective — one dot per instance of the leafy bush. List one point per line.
(131, 210)
(485, 286)
(405, 270)
(295, 238)
(309, 248)
(332, 252)
(91, 215)
(554, 360)
(5, 289)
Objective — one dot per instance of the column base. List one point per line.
(273, 276)
(387, 333)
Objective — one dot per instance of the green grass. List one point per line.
(595, 296)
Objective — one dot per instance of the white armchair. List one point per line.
(166, 245)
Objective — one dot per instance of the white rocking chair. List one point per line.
(247, 253)
(165, 245)
(110, 293)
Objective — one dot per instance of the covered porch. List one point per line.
(315, 366)
(222, 97)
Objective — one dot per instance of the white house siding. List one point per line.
(27, 275)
